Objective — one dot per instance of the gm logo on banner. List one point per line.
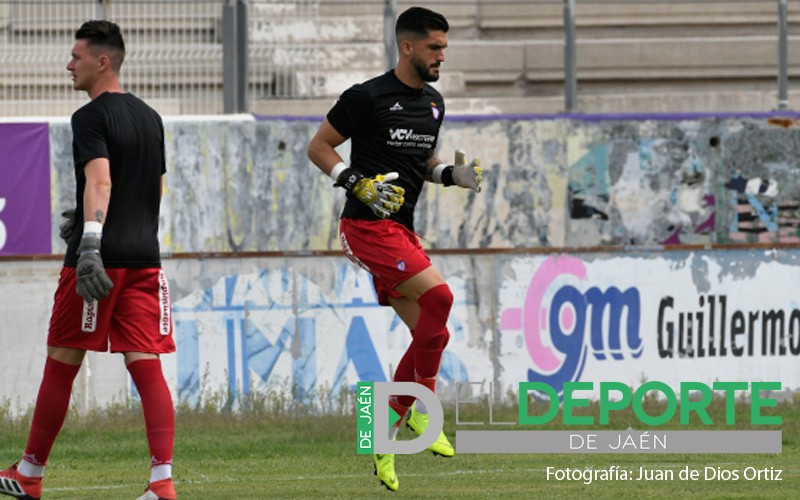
(561, 323)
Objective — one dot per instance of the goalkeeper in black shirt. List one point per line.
(393, 121)
(112, 293)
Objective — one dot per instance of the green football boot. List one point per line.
(418, 422)
(384, 469)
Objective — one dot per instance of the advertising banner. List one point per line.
(668, 316)
(24, 189)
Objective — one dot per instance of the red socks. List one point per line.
(420, 363)
(159, 414)
(405, 373)
(52, 405)
(431, 333)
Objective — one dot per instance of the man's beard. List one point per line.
(424, 72)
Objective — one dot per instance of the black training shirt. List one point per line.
(393, 128)
(130, 134)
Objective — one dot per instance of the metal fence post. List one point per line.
(783, 55)
(570, 72)
(101, 9)
(389, 41)
(234, 56)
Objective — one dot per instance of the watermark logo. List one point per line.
(374, 418)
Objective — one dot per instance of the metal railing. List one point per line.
(173, 56)
(214, 56)
(176, 58)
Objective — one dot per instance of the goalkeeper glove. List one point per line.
(66, 227)
(376, 192)
(93, 282)
(463, 174)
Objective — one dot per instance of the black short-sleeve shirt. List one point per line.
(123, 129)
(393, 128)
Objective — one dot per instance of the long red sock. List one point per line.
(430, 333)
(159, 414)
(405, 369)
(405, 373)
(52, 405)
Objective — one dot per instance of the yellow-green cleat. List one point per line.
(384, 469)
(418, 422)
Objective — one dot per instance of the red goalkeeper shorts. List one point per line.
(386, 249)
(135, 317)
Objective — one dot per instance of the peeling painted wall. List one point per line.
(246, 185)
(239, 184)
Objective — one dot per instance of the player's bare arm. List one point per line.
(322, 148)
(98, 190)
(93, 282)
(376, 192)
(433, 162)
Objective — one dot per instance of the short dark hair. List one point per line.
(105, 34)
(419, 21)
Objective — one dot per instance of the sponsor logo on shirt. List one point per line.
(396, 107)
(407, 138)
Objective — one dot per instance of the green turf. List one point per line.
(262, 455)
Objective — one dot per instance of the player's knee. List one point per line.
(435, 304)
(438, 301)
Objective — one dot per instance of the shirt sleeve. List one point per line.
(89, 136)
(352, 112)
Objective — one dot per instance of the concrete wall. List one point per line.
(552, 182)
(238, 184)
(306, 327)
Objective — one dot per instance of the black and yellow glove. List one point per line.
(376, 192)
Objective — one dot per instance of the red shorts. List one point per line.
(386, 249)
(135, 317)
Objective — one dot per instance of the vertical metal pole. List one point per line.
(478, 17)
(229, 84)
(242, 104)
(234, 56)
(783, 55)
(389, 40)
(570, 72)
(101, 9)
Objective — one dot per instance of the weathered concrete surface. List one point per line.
(244, 185)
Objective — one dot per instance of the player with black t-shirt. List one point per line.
(112, 293)
(389, 124)
(393, 123)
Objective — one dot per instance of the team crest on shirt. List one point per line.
(435, 111)
(401, 264)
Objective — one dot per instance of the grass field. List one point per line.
(254, 455)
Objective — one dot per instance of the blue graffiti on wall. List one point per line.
(251, 351)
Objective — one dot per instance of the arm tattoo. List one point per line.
(99, 216)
